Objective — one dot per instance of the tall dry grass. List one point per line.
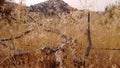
(55, 42)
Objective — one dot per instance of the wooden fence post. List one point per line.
(89, 39)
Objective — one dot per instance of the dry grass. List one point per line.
(56, 42)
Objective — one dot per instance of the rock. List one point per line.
(51, 7)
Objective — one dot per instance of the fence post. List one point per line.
(89, 39)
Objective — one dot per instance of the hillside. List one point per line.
(51, 7)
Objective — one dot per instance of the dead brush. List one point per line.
(68, 52)
(56, 51)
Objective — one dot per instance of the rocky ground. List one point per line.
(51, 7)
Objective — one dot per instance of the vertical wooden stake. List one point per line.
(89, 40)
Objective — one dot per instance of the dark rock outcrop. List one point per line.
(51, 7)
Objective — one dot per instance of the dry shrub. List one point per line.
(105, 37)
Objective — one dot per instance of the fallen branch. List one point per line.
(17, 37)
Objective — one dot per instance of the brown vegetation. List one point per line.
(60, 41)
(2, 2)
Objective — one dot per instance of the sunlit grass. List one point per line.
(105, 33)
